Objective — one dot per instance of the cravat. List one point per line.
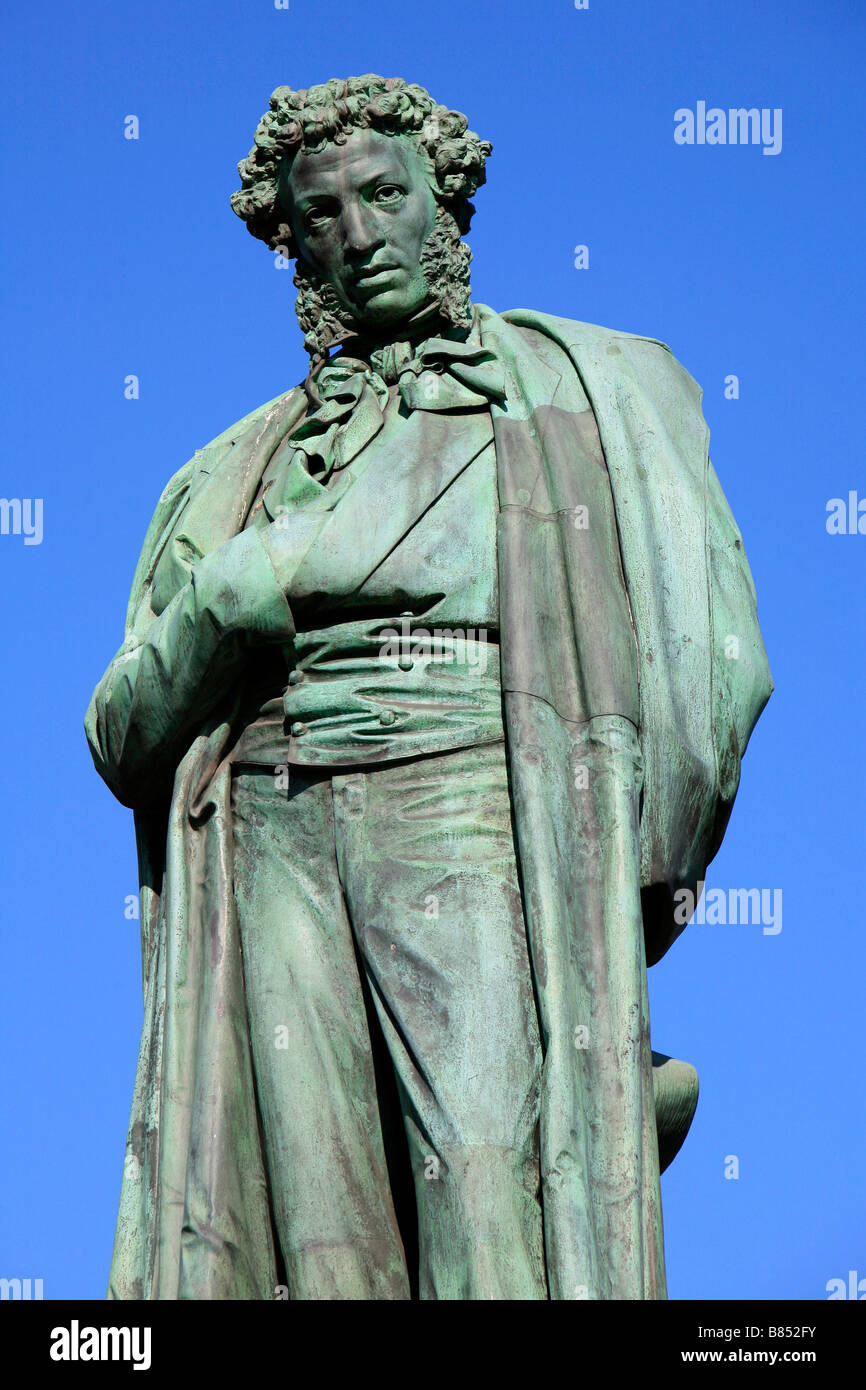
(349, 396)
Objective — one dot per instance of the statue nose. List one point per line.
(360, 233)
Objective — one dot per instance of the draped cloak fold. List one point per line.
(625, 728)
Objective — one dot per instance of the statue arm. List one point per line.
(173, 671)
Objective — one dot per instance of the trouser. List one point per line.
(387, 902)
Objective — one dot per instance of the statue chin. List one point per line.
(392, 312)
(384, 310)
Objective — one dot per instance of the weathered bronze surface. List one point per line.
(426, 710)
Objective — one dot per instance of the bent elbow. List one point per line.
(141, 783)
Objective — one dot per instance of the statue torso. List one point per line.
(409, 663)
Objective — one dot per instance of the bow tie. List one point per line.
(349, 394)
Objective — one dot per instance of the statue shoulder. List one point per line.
(571, 332)
(179, 487)
(210, 452)
(204, 458)
(607, 354)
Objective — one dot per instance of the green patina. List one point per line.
(426, 714)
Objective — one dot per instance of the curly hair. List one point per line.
(325, 114)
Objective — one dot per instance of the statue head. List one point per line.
(366, 184)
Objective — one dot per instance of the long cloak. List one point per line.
(624, 738)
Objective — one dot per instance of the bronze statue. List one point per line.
(425, 713)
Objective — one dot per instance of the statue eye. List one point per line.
(316, 217)
(387, 193)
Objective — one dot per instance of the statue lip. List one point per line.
(371, 272)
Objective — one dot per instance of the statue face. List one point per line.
(361, 213)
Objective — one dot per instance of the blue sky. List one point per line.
(125, 258)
